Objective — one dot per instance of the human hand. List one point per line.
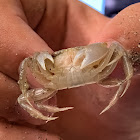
(81, 26)
(121, 122)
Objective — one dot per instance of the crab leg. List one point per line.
(115, 98)
(35, 94)
(23, 84)
(52, 109)
(31, 110)
(128, 69)
(39, 95)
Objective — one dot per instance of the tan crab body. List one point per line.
(71, 68)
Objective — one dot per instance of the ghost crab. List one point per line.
(69, 68)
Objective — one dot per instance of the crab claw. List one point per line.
(43, 57)
(79, 56)
(92, 53)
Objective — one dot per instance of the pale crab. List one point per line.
(69, 68)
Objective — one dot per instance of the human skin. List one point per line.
(10, 131)
(29, 26)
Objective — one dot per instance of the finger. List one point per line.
(9, 91)
(66, 30)
(17, 132)
(17, 39)
(124, 28)
(34, 11)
